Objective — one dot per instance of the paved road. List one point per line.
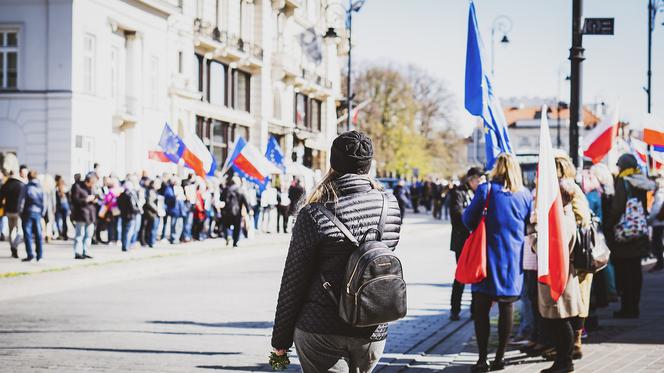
(210, 310)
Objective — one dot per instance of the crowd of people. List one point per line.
(554, 329)
(139, 210)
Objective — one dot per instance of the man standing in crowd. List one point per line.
(33, 209)
(84, 214)
(403, 197)
(459, 198)
(10, 198)
(295, 194)
(129, 208)
(234, 200)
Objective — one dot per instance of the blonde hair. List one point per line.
(507, 171)
(326, 189)
(564, 166)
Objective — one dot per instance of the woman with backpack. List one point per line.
(314, 283)
(627, 233)
(508, 211)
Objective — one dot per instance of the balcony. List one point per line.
(227, 45)
(311, 83)
(127, 112)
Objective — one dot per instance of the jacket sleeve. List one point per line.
(473, 213)
(296, 279)
(456, 207)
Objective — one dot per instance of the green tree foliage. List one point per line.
(407, 116)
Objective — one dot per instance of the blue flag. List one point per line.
(274, 154)
(171, 144)
(480, 98)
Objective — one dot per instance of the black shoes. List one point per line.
(28, 259)
(78, 256)
(481, 366)
(558, 367)
(497, 364)
(86, 256)
(14, 253)
(454, 316)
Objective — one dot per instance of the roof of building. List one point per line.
(515, 114)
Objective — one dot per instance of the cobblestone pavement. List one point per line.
(195, 308)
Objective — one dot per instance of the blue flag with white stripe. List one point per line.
(480, 98)
(274, 154)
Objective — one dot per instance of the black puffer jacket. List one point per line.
(317, 245)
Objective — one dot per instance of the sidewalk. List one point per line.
(617, 346)
(59, 255)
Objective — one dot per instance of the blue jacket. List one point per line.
(506, 221)
(33, 199)
(172, 207)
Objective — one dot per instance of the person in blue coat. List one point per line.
(508, 212)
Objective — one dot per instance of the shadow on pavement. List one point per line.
(121, 350)
(253, 368)
(238, 324)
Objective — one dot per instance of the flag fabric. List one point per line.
(480, 98)
(640, 151)
(274, 154)
(655, 138)
(310, 43)
(250, 164)
(552, 253)
(189, 151)
(600, 140)
(158, 155)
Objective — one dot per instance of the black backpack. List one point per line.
(590, 253)
(373, 291)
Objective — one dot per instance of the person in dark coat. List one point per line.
(402, 193)
(295, 195)
(231, 216)
(508, 213)
(459, 199)
(10, 199)
(626, 256)
(129, 208)
(32, 212)
(84, 214)
(306, 315)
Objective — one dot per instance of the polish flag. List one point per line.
(640, 149)
(552, 253)
(599, 141)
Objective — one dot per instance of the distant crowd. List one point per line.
(137, 210)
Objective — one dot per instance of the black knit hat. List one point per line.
(351, 153)
(626, 161)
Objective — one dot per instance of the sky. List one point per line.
(432, 34)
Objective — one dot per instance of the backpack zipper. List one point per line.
(370, 282)
(357, 263)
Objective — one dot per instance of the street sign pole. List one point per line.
(576, 57)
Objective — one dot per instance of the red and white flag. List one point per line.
(552, 253)
(599, 141)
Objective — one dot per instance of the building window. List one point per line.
(217, 90)
(8, 59)
(180, 62)
(315, 116)
(199, 71)
(300, 110)
(88, 63)
(154, 81)
(241, 90)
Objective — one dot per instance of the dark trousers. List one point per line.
(629, 280)
(481, 309)
(457, 292)
(234, 222)
(32, 230)
(438, 209)
(562, 331)
(657, 244)
(282, 218)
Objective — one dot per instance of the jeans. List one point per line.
(32, 225)
(164, 224)
(188, 224)
(137, 220)
(335, 353)
(61, 216)
(257, 215)
(127, 232)
(175, 232)
(528, 309)
(113, 229)
(153, 226)
(83, 237)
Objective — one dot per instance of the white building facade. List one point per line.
(94, 81)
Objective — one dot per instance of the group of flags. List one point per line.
(245, 159)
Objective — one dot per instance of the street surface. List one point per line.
(191, 308)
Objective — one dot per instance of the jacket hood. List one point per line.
(641, 181)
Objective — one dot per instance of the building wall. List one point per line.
(99, 78)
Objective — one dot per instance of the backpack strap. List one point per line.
(381, 222)
(344, 230)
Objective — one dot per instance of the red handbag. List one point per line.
(471, 267)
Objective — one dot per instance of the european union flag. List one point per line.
(274, 154)
(171, 144)
(480, 98)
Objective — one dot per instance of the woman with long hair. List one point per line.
(508, 212)
(306, 313)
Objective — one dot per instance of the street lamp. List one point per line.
(654, 6)
(353, 6)
(503, 24)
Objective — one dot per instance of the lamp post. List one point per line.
(653, 7)
(353, 6)
(504, 25)
(576, 56)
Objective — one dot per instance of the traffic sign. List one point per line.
(598, 26)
